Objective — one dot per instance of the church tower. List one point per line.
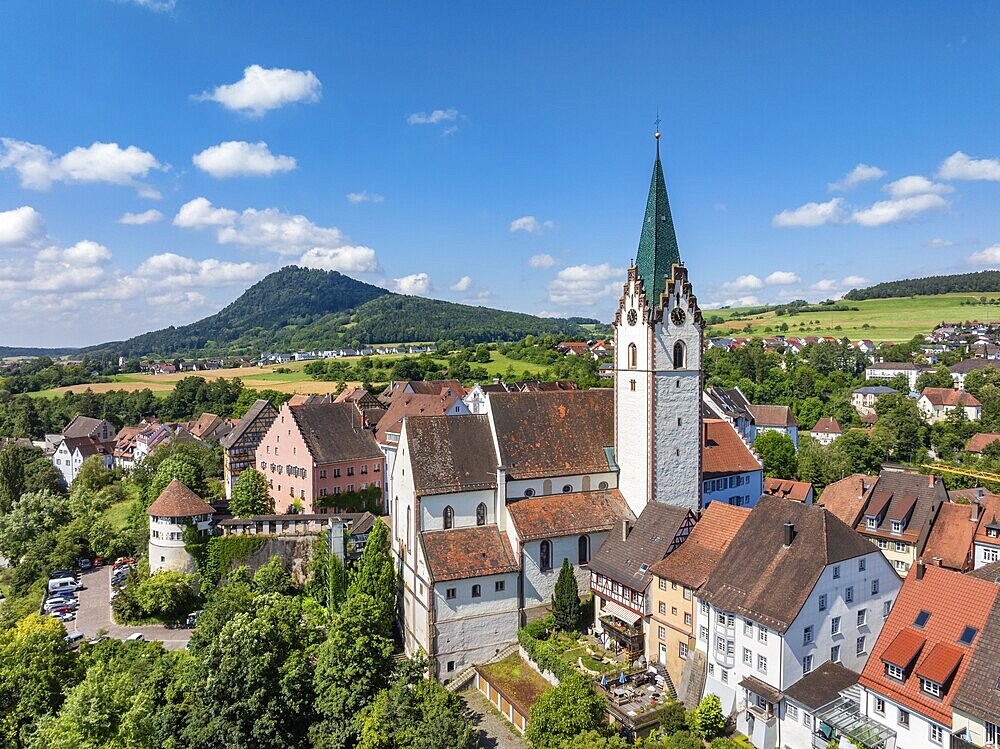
(658, 367)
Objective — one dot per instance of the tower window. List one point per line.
(680, 355)
(481, 514)
(678, 421)
(632, 385)
(449, 517)
(633, 356)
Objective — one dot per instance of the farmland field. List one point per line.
(896, 320)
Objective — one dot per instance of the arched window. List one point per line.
(449, 517)
(583, 545)
(545, 556)
(680, 355)
(407, 525)
(547, 486)
(481, 514)
(586, 483)
(633, 356)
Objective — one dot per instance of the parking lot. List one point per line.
(94, 614)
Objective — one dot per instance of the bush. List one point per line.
(683, 740)
(673, 718)
(708, 720)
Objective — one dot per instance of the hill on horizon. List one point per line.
(984, 281)
(303, 309)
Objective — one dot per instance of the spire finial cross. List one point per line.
(657, 124)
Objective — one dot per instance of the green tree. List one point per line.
(272, 577)
(564, 711)
(327, 581)
(937, 378)
(93, 475)
(721, 742)
(167, 594)
(375, 576)
(673, 718)
(187, 472)
(708, 720)
(778, 453)
(12, 480)
(566, 599)
(683, 740)
(34, 517)
(250, 495)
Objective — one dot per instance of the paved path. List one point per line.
(493, 731)
(95, 614)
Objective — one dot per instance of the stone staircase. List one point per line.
(466, 675)
(693, 679)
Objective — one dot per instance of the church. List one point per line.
(485, 507)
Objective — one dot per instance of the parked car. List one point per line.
(97, 640)
(63, 616)
(85, 564)
(123, 560)
(60, 584)
(192, 618)
(99, 562)
(60, 603)
(136, 637)
(55, 574)
(74, 639)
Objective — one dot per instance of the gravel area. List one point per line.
(494, 731)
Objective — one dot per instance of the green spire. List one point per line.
(657, 244)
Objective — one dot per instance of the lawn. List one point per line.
(519, 681)
(118, 514)
(896, 320)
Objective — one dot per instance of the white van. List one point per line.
(137, 637)
(74, 639)
(63, 583)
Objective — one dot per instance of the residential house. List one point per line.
(209, 427)
(826, 430)
(125, 442)
(863, 398)
(239, 447)
(888, 370)
(949, 544)
(676, 581)
(574, 348)
(360, 397)
(312, 452)
(825, 698)
(921, 659)
(775, 419)
(795, 588)
(976, 704)
(731, 471)
(82, 438)
(978, 443)
(848, 497)
(960, 369)
(986, 542)
(797, 491)
(160, 434)
(936, 403)
(621, 573)
(171, 514)
(730, 404)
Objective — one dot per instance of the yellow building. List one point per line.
(676, 580)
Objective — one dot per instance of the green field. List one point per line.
(893, 320)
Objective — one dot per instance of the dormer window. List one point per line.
(871, 522)
(930, 687)
(897, 526)
(895, 672)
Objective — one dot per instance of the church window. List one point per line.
(481, 514)
(678, 421)
(633, 356)
(680, 355)
(545, 556)
(449, 517)
(547, 486)
(584, 548)
(632, 385)
(586, 483)
(603, 485)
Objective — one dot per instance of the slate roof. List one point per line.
(658, 251)
(692, 563)
(333, 432)
(936, 594)
(773, 416)
(949, 397)
(179, 501)
(88, 446)
(822, 685)
(950, 539)
(875, 390)
(797, 490)
(904, 496)
(979, 442)
(569, 514)
(990, 572)
(259, 406)
(649, 540)
(451, 454)
(971, 365)
(81, 426)
(827, 425)
(762, 579)
(724, 451)
(730, 401)
(461, 553)
(554, 433)
(978, 693)
(846, 498)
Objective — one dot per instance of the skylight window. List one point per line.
(643, 568)
(922, 618)
(968, 635)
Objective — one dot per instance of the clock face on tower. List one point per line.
(677, 316)
(632, 316)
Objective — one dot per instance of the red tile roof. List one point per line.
(461, 553)
(979, 442)
(724, 451)
(693, 562)
(936, 593)
(951, 536)
(949, 397)
(568, 514)
(411, 404)
(941, 663)
(179, 501)
(773, 416)
(846, 498)
(827, 425)
(797, 490)
(905, 646)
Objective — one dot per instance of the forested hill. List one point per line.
(6, 351)
(304, 309)
(982, 282)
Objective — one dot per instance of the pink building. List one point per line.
(312, 452)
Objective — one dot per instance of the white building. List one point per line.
(82, 438)
(795, 588)
(826, 430)
(171, 514)
(731, 471)
(887, 370)
(863, 398)
(779, 419)
(936, 403)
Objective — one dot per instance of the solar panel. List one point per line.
(968, 635)
(922, 618)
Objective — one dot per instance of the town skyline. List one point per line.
(789, 171)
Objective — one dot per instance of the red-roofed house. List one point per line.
(936, 403)
(170, 515)
(949, 543)
(731, 472)
(920, 659)
(799, 491)
(986, 543)
(826, 430)
(979, 442)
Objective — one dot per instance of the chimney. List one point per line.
(789, 533)
(936, 561)
(920, 569)
(930, 481)
(861, 490)
(977, 512)
(625, 528)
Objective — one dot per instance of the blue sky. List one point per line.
(158, 157)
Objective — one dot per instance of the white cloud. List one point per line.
(237, 158)
(541, 261)
(860, 173)
(171, 270)
(810, 214)
(21, 226)
(263, 89)
(916, 185)
(782, 278)
(962, 166)
(433, 118)
(57, 269)
(146, 217)
(200, 212)
(157, 6)
(853, 281)
(177, 299)
(280, 232)
(364, 197)
(939, 243)
(530, 224)
(989, 256)
(748, 282)
(347, 259)
(480, 298)
(585, 284)
(898, 209)
(826, 284)
(149, 192)
(84, 252)
(462, 284)
(416, 284)
(38, 167)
